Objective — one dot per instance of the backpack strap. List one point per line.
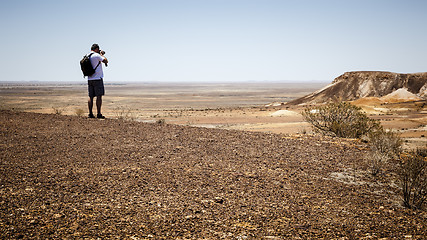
(97, 65)
(98, 62)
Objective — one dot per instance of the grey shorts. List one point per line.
(95, 88)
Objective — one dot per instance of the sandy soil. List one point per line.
(69, 177)
(229, 106)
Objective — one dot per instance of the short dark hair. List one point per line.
(94, 46)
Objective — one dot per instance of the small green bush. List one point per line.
(340, 119)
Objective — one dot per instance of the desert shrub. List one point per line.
(161, 121)
(387, 143)
(57, 110)
(124, 113)
(79, 112)
(377, 161)
(384, 146)
(340, 119)
(413, 178)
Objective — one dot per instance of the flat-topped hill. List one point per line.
(351, 86)
(70, 177)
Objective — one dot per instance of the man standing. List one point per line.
(95, 81)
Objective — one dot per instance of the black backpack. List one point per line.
(86, 66)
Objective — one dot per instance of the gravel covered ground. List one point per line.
(64, 177)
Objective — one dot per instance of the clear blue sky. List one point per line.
(212, 40)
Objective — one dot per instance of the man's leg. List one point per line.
(99, 91)
(99, 104)
(90, 106)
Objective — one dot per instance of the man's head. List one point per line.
(94, 47)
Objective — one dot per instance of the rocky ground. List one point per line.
(65, 177)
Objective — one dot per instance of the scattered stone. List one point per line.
(77, 179)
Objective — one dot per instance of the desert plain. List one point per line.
(248, 106)
(208, 161)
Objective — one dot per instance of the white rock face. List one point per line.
(401, 94)
(365, 88)
(423, 91)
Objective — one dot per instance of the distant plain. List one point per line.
(225, 105)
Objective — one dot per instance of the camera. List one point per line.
(102, 52)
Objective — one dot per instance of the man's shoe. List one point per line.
(100, 116)
(91, 115)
